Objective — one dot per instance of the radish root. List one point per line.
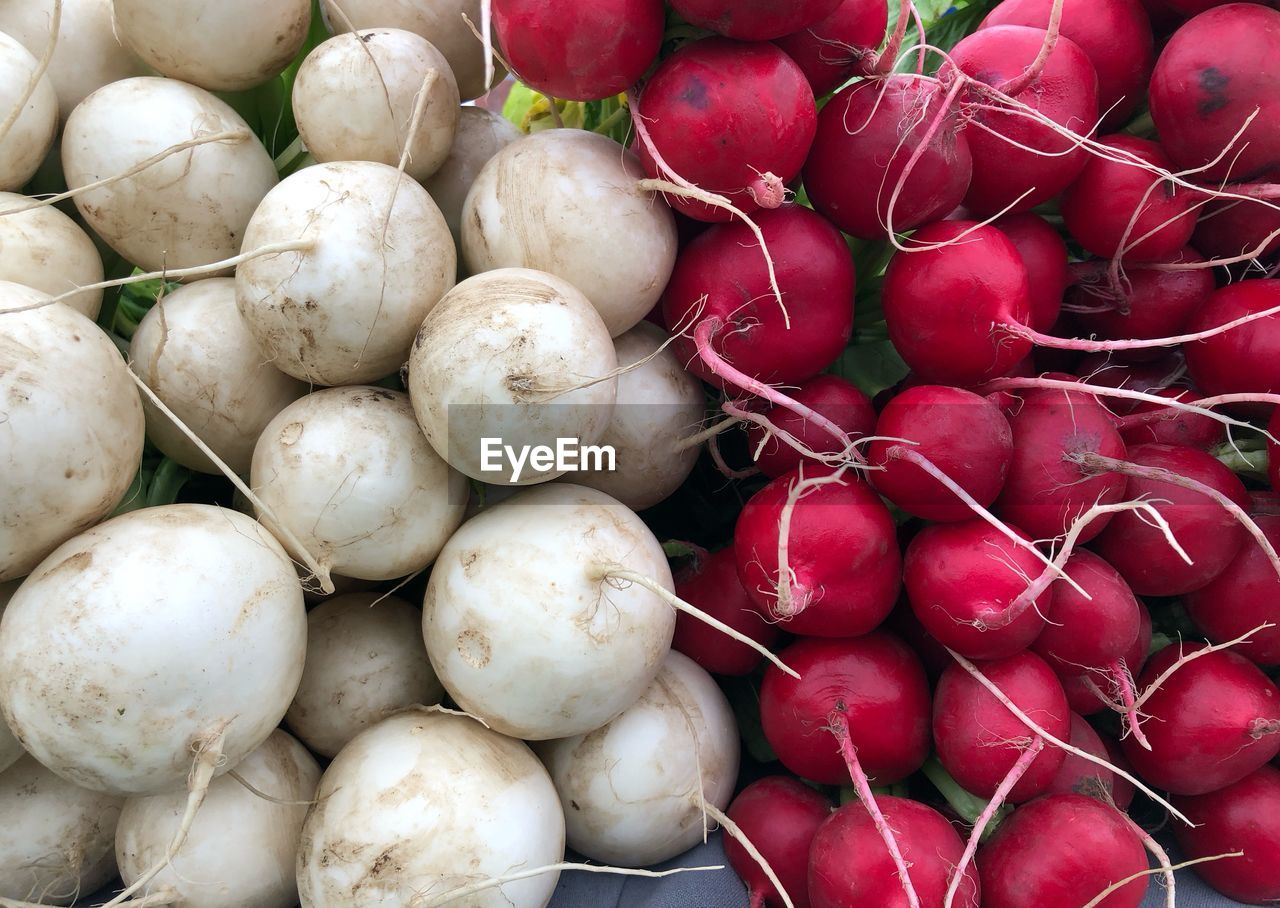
(731, 828)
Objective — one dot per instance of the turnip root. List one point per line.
(243, 844)
(632, 790)
(10, 749)
(356, 96)
(344, 311)
(213, 378)
(161, 629)
(658, 404)
(521, 622)
(34, 115)
(46, 250)
(565, 201)
(73, 427)
(480, 135)
(55, 837)
(365, 660)
(190, 208)
(516, 356)
(426, 802)
(348, 472)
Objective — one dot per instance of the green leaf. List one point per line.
(519, 101)
(873, 366)
(744, 697)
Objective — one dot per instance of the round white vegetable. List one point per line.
(31, 135)
(147, 635)
(425, 802)
(565, 201)
(73, 427)
(481, 134)
(629, 789)
(195, 352)
(55, 838)
(365, 660)
(10, 749)
(494, 361)
(659, 403)
(356, 95)
(228, 45)
(521, 630)
(192, 207)
(344, 311)
(242, 848)
(45, 249)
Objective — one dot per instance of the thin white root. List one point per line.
(1120, 884)
(732, 828)
(259, 793)
(699, 438)
(165, 895)
(42, 66)
(788, 605)
(1162, 858)
(425, 901)
(1184, 658)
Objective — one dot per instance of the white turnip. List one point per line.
(44, 249)
(480, 135)
(31, 117)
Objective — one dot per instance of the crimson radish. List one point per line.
(1246, 358)
(1244, 816)
(780, 816)
(1044, 254)
(839, 45)
(753, 20)
(712, 585)
(1085, 690)
(1242, 597)
(1082, 776)
(829, 395)
(1236, 229)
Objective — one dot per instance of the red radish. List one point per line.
(833, 397)
(877, 127)
(712, 585)
(1109, 370)
(753, 20)
(933, 655)
(978, 739)
(1083, 689)
(840, 45)
(1242, 597)
(1123, 792)
(1246, 358)
(1061, 851)
(1150, 423)
(780, 816)
(731, 118)
(882, 688)
(1116, 36)
(1065, 90)
(581, 50)
(1151, 302)
(1118, 210)
(1079, 775)
(1200, 99)
(1210, 723)
(1044, 255)
(850, 868)
(1244, 816)
(817, 552)
(1229, 229)
(963, 435)
(961, 579)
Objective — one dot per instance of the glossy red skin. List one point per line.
(1099, 205)
(579, 50)
(1210, 535)
(713, 587)
(1159, 303)
(753, 20)
(1043, 492)
(1066, 91)
(1231, 228)
(873, 128)
(1201, 720)
(1110, 370)
(1088, 633)
(849, 866)
(1244, 817)
(721, 112)
(721, 273)
(842, 548)
(976, 737)
(933, 655)
(1174, 427)
(881, 685)
(943, 305)
(1200, 97)
(1082, 699)
(1243, 359)
(958, 573)
(833, 397)
(1061, 851)
(780, 815)
(964, 435)
(1243, 596)
(1078, 775)
(1044, 255)
(1115, 35)
(840, 45)
(1273, 451)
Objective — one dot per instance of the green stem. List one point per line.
(167, 482)
(609, 122)
(289, 156)
(1248, 456)
(1142, 125)
(967, 805)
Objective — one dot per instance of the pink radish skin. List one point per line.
(833, 397)
(1242, 597)
(978, 739)
(1081, 697)
(881, 685)
(1065, 91)
(1078, 775)
(1044, 255)
(960, 580)
(1246, 358)
(840, 45)
(1112, 370)
(1153, 303)
(1060, 851)
(712, 585)
(1211, 723)
(722, 114)
(1229, 228)
(944, 306)
(1150, 423)
(876, 127)
(753, 20)
(1089, 633)
(780, 815)
(1244, 816)
(849, 866)
(721, 275)
(843, 556)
